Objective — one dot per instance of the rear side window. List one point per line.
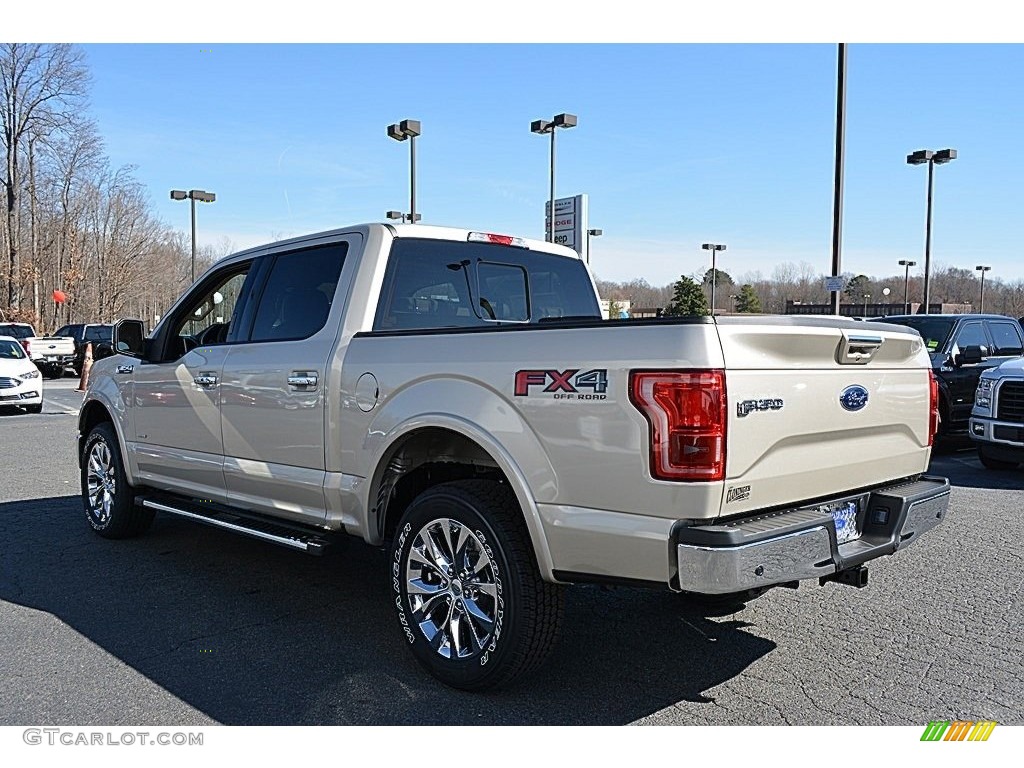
(447, 284)
(298, 294)
(1007, 338)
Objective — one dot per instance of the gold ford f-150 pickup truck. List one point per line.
(455, 397)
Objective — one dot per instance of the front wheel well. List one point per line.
(93, 413)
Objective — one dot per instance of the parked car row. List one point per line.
(53, 355)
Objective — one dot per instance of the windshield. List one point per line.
(934, 330)
(10, 350)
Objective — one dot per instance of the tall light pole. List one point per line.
(564, 120)
(714, 248)
(906, 284)
(592, 233)
(837, 199)
(920, 157)
(983, 268)
(193, 195)
(408, 129)
(864, 313)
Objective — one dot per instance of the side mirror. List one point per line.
(972, 355)
(129, 338)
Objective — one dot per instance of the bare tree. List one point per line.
(42, 87)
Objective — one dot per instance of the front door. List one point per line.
(176, 405)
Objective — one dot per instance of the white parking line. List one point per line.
(62, 408)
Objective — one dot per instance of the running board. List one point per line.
(311, 543)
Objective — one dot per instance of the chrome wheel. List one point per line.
(101, 484)
(453, 588)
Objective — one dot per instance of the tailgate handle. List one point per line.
(858, 349)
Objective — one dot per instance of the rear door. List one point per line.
(275, 383)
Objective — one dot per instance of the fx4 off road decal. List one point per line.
(563, 385)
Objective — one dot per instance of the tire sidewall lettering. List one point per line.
(396, 582)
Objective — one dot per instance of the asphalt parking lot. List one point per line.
(191, 625)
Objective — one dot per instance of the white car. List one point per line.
(21, 383)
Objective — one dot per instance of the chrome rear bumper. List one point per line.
(791, 545)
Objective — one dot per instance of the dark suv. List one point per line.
(961, 347)
(86, 333)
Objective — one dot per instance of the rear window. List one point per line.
(16, 330)
(99, 333)
(447, 284)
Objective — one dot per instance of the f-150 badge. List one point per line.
(749, 406)
(564, 385)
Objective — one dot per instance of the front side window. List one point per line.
(208, 317)
(971, 335)
(298, 294)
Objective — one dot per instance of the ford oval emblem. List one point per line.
(854, 397)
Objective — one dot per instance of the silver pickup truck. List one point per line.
(455, 397)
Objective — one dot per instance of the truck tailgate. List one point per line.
(821, 407)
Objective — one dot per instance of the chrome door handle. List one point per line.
(206, 380)
(302, 379)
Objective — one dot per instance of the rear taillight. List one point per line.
(686, 411)
(933, 404)
(27, 345)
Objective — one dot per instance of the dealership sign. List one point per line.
(571, 221)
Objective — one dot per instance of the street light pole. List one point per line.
(714, 248)
(864, 312)
(920, 157)
(983, 269)
(592, 233)
(193, 195)
(563, 120)
(906, 284)
(408, 129)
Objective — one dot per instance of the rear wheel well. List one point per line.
(423, 459)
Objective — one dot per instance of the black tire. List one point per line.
(50, 372)
(996, 464)
(33, 408)
(110, 510)
(506, 618)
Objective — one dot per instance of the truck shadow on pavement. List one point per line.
(964, 469)
(248, 633)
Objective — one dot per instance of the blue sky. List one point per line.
(677, 144)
